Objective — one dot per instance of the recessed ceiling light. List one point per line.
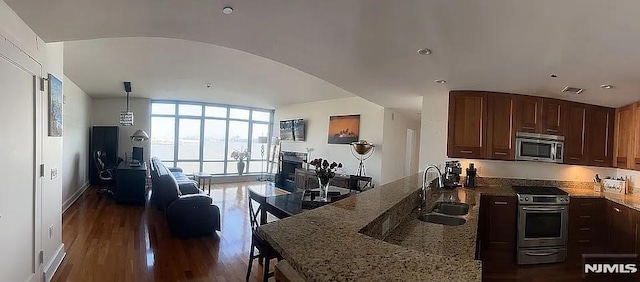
(606, 86)
(553, 75)
(208, 85)
(424, 51)
(440, 81)
(227, 10)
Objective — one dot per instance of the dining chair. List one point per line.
(265, 252)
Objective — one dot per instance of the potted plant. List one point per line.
(240, 155)
(325, 171)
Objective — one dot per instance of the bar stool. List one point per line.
(265, 251)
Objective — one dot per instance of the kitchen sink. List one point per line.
(451, 208)
(442, 219)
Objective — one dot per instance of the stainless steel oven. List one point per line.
(542, 227)
(539, 147)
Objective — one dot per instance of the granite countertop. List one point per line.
(328, 244)
(325, 244)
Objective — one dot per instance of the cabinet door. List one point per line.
(575, 137)
(498, 227)
(552, 117)
(623, 136)
(635, 162)
(528, 113)
(600, 136)
(500, 126)
(621, 228)
(467, 119)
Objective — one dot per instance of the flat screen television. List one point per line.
(292, 130)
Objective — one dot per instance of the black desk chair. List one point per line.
(265, 251)
(105, 175)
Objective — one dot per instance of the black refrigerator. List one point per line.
(105, 139)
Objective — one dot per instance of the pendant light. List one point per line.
(126, 117)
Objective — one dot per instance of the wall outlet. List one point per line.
(385, 226)
(51, 231)
(54, 173)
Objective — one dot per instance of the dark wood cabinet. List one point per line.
(600, 135)
(483, 125)
(635, 147)
(623, 137)
(528, 114)
(586, 222)
(500, 133)
(552, 117)
(498, 219)
(467, 122)
(621, 228)
(575, 138)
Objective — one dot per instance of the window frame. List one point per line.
(203, 118)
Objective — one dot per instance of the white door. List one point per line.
(410, 150)
(20, 191)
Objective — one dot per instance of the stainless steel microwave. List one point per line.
(539, 147)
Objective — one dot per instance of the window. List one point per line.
(163, 137)
(200, 137)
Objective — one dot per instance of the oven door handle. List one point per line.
(543, 209)
(541, 254)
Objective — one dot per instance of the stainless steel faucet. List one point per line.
(424, 181)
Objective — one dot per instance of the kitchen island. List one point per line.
(344, 241)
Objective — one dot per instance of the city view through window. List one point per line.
(201, 137)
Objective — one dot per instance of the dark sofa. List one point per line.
(189, 211)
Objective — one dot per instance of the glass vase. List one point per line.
(324, 189)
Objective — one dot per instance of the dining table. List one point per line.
(282, 204)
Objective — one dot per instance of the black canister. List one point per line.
(470, 180)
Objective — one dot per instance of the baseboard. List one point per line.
(69, 202)
(52, 266)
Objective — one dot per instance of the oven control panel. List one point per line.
(543, 199)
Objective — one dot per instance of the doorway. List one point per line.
(410, 152)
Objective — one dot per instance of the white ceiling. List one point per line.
(368, 47)
(177, 69)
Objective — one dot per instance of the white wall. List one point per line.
(394, 140)
(433, 150)
(52, 196)
(316, 115)
(50, 57)
(107, 112)
(75, 146)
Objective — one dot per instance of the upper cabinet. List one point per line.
(467, 121)
(552, 117)
(635, 153)
(575, 149)
(483, 125)
(600, 135)
(528, 113)
(624, 134)
(500, 133)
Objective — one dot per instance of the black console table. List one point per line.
(131, 184)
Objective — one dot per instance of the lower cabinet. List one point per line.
(586, 221)
(497, 228)
(621, 225)
(596, 226)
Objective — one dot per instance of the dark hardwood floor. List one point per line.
(109, 242)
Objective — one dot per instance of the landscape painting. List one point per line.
(55, 106)
(344, 129)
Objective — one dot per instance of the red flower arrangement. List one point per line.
(325, 170)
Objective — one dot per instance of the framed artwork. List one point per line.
(55, 106)
(344, 129)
